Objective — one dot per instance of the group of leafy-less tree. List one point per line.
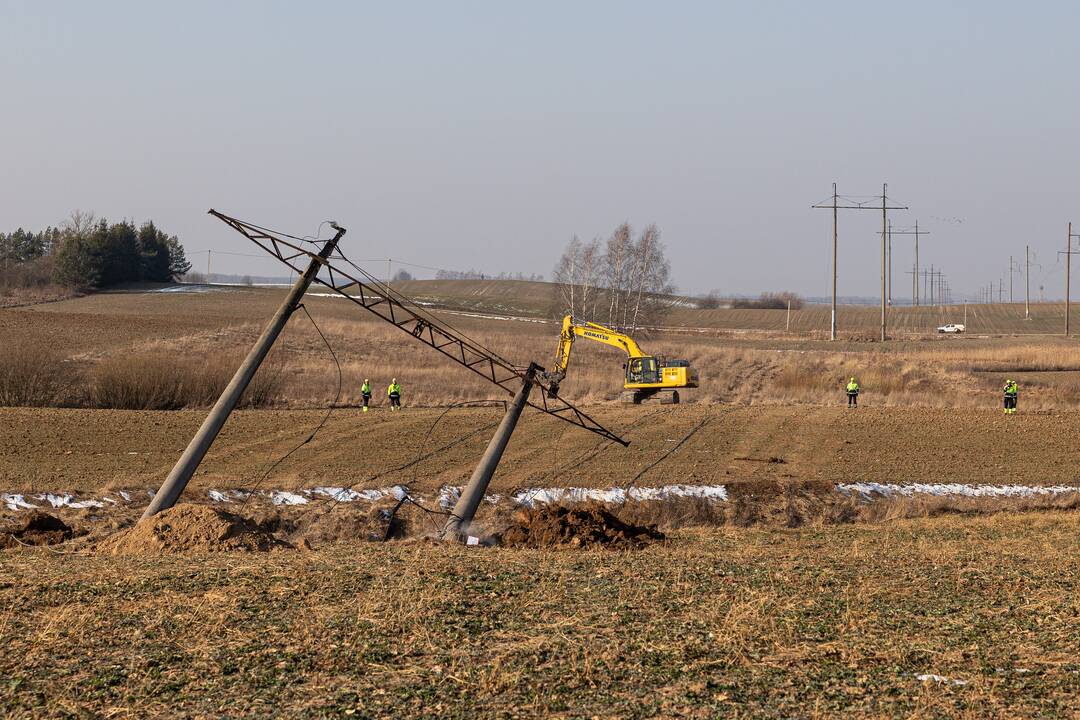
(89, 253)
(619, 282)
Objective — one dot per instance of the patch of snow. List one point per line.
(218, 496)
(14, 501)
(930, 677)
(871, 490)
(121, 493)
(184, 289)
(58, 501)
(341, 494)
(284, 497)
(545, 496)
(448, 497)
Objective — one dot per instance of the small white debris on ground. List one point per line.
(14, 501)
(65, 500)
(930, 677)
(284, 497)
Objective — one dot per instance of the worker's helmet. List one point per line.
(852, 379)
(393, 380)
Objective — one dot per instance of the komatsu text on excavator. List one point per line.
(648, 377)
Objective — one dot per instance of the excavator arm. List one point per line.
(593, 331)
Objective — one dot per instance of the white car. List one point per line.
(951, 328)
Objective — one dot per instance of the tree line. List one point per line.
(620, 281)
(477, 275)
(86, 252)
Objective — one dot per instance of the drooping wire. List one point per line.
(693, 431)
(341, 495)
(322, 423)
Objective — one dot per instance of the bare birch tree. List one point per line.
(629, 276)
(578, 275)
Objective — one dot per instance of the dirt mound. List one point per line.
(192, 529)
(584, 526)
(37, 528)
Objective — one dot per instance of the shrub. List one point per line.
(33, 375)
(159, 382)
(769, 301)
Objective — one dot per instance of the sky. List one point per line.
(486, 134)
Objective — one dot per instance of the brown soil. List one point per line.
(93, 451)
(192, 529)
(37, 528)
(591, 525)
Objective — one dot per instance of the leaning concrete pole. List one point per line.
(473, 494)
(185, 467)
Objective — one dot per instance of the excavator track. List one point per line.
(650, 397)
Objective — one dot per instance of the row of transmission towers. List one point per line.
(934, 285)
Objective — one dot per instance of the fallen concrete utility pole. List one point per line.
(185, 467)
(473, 494)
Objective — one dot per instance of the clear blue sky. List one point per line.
(485, 134)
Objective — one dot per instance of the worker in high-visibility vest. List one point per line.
(1011, 390)
(394, 393)
(365, 393)
(852, 393)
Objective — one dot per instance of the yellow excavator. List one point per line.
(648, 377)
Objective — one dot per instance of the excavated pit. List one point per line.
(37, 528)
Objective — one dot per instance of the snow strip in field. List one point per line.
(547, 496)
(873, 490)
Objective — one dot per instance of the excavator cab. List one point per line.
(642, 370)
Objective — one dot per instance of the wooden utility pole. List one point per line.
(884, 230)
(1027, 282)
(835, 206)
(916, 256)
(915, 297)
(890, 263)
(1068, 267)
(832, 326)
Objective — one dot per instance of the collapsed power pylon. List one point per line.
(324, 268)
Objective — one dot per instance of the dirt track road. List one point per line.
(91, 450)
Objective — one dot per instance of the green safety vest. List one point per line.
(853, 387)
(365, 389)
(394, 388)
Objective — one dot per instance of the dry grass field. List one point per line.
(786, 600)
(103, 337)
(944, 617)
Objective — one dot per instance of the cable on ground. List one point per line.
(322, 423)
